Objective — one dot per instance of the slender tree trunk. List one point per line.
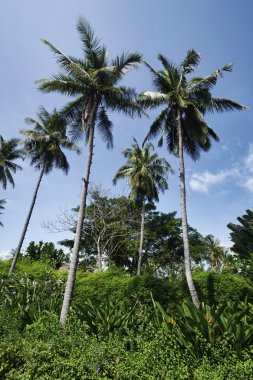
(75, 254)
(22, 237)
(187, 259)
(100, 262)
(141, 237)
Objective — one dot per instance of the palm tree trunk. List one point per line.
(75, 254)
(22, 238)
(187, 260)
(141, 237)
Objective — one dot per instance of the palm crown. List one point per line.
(45, 142)
(93, 83)
(9, 152)
(147, 173)
(190, 99)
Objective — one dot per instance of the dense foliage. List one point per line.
(45, 252)
(242, 235)
(122, 327)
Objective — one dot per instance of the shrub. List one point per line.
(117, 285)
(215, 288)
(27, 298)
(46, 352)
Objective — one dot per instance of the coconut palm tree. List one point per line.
(147, 175)
(43, 145)
(9, 152)
(2, 203)
(181, 122)
(94, 84)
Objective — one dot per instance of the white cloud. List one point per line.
(246, 180)
(202, 181)
(248, 161)
(243, 172)
(5, 254)
(248, 184)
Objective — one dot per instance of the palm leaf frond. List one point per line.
(104, 126)
(190, 62)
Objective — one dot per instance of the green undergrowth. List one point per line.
(45, 351)
(123, 326)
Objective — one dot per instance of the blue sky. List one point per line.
(219, 185)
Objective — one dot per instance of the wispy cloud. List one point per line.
(248, 161)
(201, 182)
(243, 173)
(248, 184)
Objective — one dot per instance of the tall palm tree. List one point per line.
(9, 152)
(44, 146)
(94, 84)
(2, 203)
(181, 122)
(147, 175)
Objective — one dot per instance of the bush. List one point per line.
(46, 352)
(117, 285)
(26, 266)
(215, 288)
(26, 298)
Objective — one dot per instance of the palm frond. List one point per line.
(94, 51)
(221, 105)
(169, 66)
(104, 126)
(123, 99)
(122, 64)
(62, 84)
(2, 203)
(66, 64)
(190, 62)
(157, 126)
(207, 83)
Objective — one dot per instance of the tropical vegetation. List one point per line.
(182, 310)
(147, 175)
(9, 153)
(181, 123)
(44, 146)
(94, 83)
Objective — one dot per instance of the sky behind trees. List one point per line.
(220, 184)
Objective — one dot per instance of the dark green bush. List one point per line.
(215, 288)
(119, 286)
